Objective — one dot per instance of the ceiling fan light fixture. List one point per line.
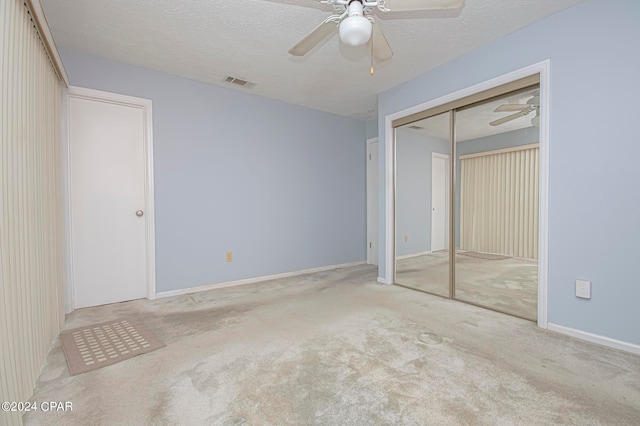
(355, 30)
(535, 100)
(535, 121)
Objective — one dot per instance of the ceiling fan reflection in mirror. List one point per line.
(532, 104)
(357, 26)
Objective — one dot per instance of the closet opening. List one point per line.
(467, 199)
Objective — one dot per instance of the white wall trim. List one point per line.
(389, 199)
(543, 68)
(595, 338)
(438, 155)
(150, 235)
(371, 230)
(408, 256)
(150, 201)
(253, 280)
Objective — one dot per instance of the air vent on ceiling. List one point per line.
(240, 82)
(414, 127)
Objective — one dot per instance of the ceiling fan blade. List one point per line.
(314, 38)
(512, 107)
(510, 117)
(405, 5)
(381, 49)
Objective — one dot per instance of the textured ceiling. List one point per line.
(207, 40)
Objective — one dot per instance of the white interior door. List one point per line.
(107, 201)
(439, 190)
(372, 202)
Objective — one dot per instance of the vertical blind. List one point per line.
(499, 194)
(31, 312)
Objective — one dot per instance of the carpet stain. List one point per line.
(197, 321)
(430, 338)
(235, 421)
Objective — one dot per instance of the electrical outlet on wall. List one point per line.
(229, 256)
(583, 289)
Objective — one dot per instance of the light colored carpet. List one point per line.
(485, 256)
(509, 285)
(99, 345)
(337, 348)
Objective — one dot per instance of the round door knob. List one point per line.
(139, 213)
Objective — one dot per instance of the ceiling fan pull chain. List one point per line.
(371, 71)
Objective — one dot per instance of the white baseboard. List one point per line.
(595, 338)
(252, 280)
(382, 280)
(407, 256)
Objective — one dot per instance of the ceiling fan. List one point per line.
(532, 104)
(357, 26)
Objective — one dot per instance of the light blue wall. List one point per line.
(371, 128)
(525, 136)
(413, 190)
(281, 186)
(594, 149)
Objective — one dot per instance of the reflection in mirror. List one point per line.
(496, 213)
(422, 205)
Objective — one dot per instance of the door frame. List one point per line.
(372, 229)
(444, 157)
(149, 216)
(543, 69)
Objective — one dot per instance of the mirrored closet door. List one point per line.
(422, 204)
(496, 208)
(467, 201)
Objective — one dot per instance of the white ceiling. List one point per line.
(207, 40)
